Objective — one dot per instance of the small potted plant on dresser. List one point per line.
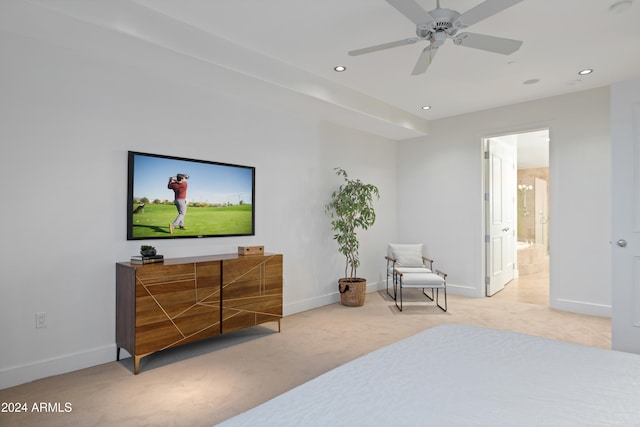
(351, 208)
(147, 255)
(147, 251)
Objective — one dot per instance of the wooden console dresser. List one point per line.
(182, 300)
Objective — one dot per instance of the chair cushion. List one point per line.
(422, 280)
(412, 270)
(406, 255)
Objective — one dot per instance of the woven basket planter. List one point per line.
(352, 291)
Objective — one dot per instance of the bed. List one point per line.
(465, 375)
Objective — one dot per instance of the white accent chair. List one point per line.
(409, 268)
(405, 258)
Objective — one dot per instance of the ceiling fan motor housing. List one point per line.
(444, 23)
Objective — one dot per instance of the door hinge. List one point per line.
(486, 197)
(487, 238)
(486, 155)
(487, 281)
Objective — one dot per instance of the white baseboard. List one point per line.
(332, 298)
(375, 286)
(309, 304)
(464, 291)
(16, 375)
(581, 307)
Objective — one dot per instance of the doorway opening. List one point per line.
(517, 216)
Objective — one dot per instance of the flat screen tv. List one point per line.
(219, 198)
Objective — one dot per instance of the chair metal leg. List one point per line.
(430, 298)
(437, 298)
(445, 300)
(397, 282)
(393, 279)
(399, 292)
(393, 285)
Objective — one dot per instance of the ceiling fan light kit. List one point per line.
(439, 24)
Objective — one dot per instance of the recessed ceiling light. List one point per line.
(340, 68)
(426, 107)
(585, 72)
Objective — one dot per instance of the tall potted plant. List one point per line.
(351, 208)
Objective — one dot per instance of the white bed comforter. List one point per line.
(458, 375)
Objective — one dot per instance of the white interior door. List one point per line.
(500, 213)
(625, 213)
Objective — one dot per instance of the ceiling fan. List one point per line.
(440, 24)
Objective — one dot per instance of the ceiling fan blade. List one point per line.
(489, 43)
(424, 60)
(383, 46)
(412, 10)
(484, 10)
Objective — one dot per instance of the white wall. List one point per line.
(70, 115)
(440, 181)
(74, 101)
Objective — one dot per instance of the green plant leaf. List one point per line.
(351, 208)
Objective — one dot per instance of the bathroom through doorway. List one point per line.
(530, 212)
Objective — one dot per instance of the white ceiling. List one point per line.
(296, 43)
(561, 37)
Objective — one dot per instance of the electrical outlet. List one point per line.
(41, 319)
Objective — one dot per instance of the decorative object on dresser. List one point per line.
(164, 305)
(148, 255)
(140, 259)
(147, 251)
(250, 250)
(350, 208)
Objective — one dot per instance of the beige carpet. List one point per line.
(204, 383)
